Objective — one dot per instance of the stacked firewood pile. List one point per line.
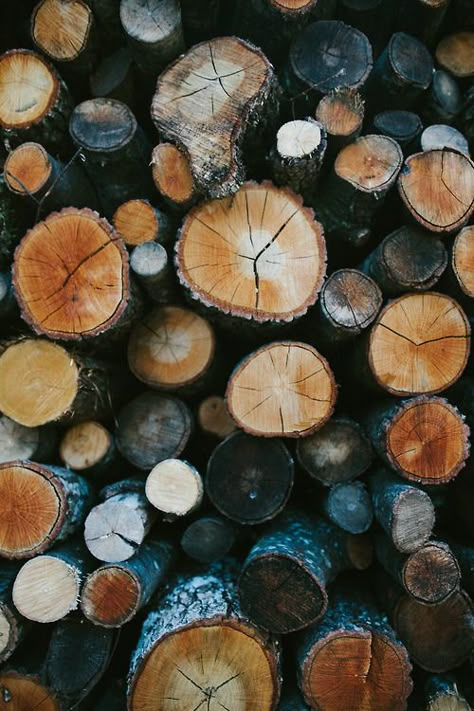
(236, 390)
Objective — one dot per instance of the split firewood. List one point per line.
(154, 32)
(137, 221)
(283, 582)
(249, 479)
(353, 658)
(89, 447)
(152, 428)
(114, 78)
(20, 442)
(114, 593)
(405, 512)
(349, 506)
(34, 102)
(40, 505)
(285, 388)
(115, 528)
(338, 452)
(224, 88)
(214, 417)
(442, 103)
(341, 112)
(171, 172)
(234, 255)
(408, 259)
(174, 487)
(172, 348)
(447, 177)
(47, 587)
(12, 624)
(455, 54)
(405, 127)
(427, 332)
(208, 539)
(198, 624)
(424, 438)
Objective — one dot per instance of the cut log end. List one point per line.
(370, 164)
(84, 445)
(71, 275)
(61, 30)
(341, 113)
(208, 539)
(170, 348)
(32, 507)
(21, 691)
(429, 333)
(172, 174)
(431, 574)
(9, 632)
(357, 669)
(174, 487)
(455, 53)
(214, 417)
(284, 389)
(349, 506)
(136, 221)
(350, 300)
(463, 260)
(297, 139)
(29, 88)
(222, 662)
(113, 532)
(102, 125)
(427, 441)
(437, 187)
(36, 401)
(46, 589)
(257, 255)
(27, 169)
(413, 520)
(289, 6)
(110, 596)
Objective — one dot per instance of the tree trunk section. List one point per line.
(175, 488)
(208, 539)
(137, 221)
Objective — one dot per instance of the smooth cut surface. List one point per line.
(174, 486)
(136, 222)
(110, 596)
(341, 112)
(84, 445)
(28, 88)
(172, 173)
(297, 139)
(27, 168)
(456, 54)
(214, 417)
(369, 163)
(46, 589)
(61, 29)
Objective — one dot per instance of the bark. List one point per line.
(249, 480)
(338, 452)
(465, 557)
(208, 539)
(151, 267)
(152, 428)
(106, 14)
(442, 694)
(405, 127)
(405, 512)
(10, 225)
(284, 577)
(466, 118)
(442, 103)
(114, 78)
(12, 625)
(349, 506)
(114, 593)
(422, 18)
(19, 442)
(8, 306)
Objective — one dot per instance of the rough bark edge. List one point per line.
(387, 184)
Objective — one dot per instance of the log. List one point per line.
(8, 305)
(405, 127)
(325, 56)
(174, 487)
(455, 54)
(72, 676)
(115, 528)
(65, 32)
(106, 14)
(31, 172)
(208, 539)
(12, 625)
(89, 447)
(19, 442)
(442, 694)
(201, 20)
(249, 479)
(154, 33)
(90, 388)
(429, 575)
(137, 221)
(172, 348)
(424, 439)
(172, 176)
(372, 17)
(297, 157)
(466, 119)
(429, 333)
(152, 428)
(214, 418)
(443, 136)
(405, 512)
(197, 622)
(78, 258)
(461, 260)
(114, 78)
(283, 582)
(27, 689)
(11, 227)
(116, 151)
(361, 177)
(465, 558)
(224, 88)
(341, 112)
(348, 304)
(338, 452)
(302, 391)
(408, 259)
(348, 505)
(114, 593)
(422, 18)
(151, 266)
(442, 103)
(243, 276)
(35, 103)
(437, 188)
(40, 505)
(47, 587)
(353, 658)
(400, 75)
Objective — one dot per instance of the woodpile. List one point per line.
(236, 379)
